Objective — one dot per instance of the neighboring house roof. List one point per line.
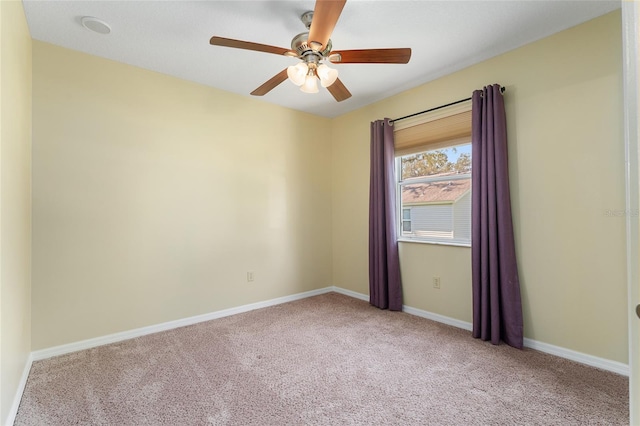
(448, 191)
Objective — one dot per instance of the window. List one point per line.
(406, 220)
(435, 195)
(433, 169)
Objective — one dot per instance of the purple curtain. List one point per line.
(385, 288)
(497, 309)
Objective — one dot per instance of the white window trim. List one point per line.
(434, 242)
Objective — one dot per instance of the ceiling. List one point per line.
(172, 37)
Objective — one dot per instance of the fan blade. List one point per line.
(247, 45)
(374, 56)
(339, 91)
(325, 17)
(271, 83)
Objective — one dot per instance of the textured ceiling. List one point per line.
(172, 37)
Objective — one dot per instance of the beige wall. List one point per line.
(564, 112)
(15, 200)
(153, 197)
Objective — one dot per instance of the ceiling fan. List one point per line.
(313, 48)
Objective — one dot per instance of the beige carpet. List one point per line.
(326, 360)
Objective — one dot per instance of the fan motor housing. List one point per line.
(300, 44)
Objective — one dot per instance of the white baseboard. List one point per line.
(605, 364)
(350, 293)
(130, 334)
(593, 361)
(582, 358)
(13, 411)
(437, 317)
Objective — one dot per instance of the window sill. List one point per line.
(438, 243)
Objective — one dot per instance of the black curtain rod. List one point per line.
(502, 89)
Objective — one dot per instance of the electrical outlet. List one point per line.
(250, 276)
(436, 282)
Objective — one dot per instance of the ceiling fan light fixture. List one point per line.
(310, 84)
(327, 75)
(314, 49)
(297, 73)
